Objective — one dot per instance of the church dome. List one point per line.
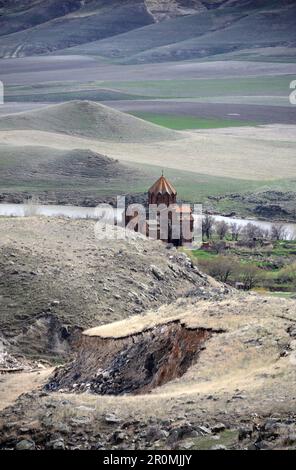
(162, 192)
(162, 186)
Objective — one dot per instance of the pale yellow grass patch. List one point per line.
(14, 385)
(253, 153)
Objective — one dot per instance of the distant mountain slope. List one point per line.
(165, 34)
(33, 27)
(94, 20)
(211, 32)
(87, 119)
(18, 15)
(230, 31)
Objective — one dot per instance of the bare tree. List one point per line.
(252, 234)
(235, 231)
(207, 226)
(222, 229)
(278, 232)
(221, 268)
(249, 275)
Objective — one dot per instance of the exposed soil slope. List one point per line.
(238, 394)
(130, 356)
(56, 276)
(135, 364)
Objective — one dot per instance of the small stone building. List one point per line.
(165, 219)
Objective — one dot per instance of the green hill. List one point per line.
(87, 119)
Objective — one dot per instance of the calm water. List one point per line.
(75, 212)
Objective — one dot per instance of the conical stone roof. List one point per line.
(162, 186)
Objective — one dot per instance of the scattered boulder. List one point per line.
(118, 437)
(262, 445)
(25, 444)
(217, 428)
(155, 433)
(56, 444)
(245, 432)
(111, 418)
(157, 273)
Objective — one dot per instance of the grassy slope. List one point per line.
(264, 28)
(100, 22)
(133, 37)
(280, 54)
(204, 89)
(157, 35)
(37, 169)
(202, 35)
(87, 119)
(18, 16)
(207, 88)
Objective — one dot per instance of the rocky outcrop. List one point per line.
(164, 9)
(270, 205)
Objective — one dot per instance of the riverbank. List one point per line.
(81, 212)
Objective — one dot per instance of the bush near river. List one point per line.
(248, 258)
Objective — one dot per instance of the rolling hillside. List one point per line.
(209, 33)
(87, 119)
(145, 30)
(30, 163)
(44, 28)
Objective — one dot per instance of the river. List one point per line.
(76, 212)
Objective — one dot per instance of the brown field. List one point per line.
(34, 70)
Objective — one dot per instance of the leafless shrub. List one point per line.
(220, 268)
(222, 229)
(249, 275)
(253, 234)
(208, 223)
(278, 232)
(235, 231)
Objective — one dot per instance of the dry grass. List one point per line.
(244, 361)
(13, 385)
(245, 357)
(238, 311)
(261, 153)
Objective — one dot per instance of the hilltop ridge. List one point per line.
(87, 119)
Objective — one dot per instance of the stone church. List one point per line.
(164, 219)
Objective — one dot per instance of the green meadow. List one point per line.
(205, 87)
(161, 89)
(178, 122)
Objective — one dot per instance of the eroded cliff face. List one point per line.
(134, 364)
